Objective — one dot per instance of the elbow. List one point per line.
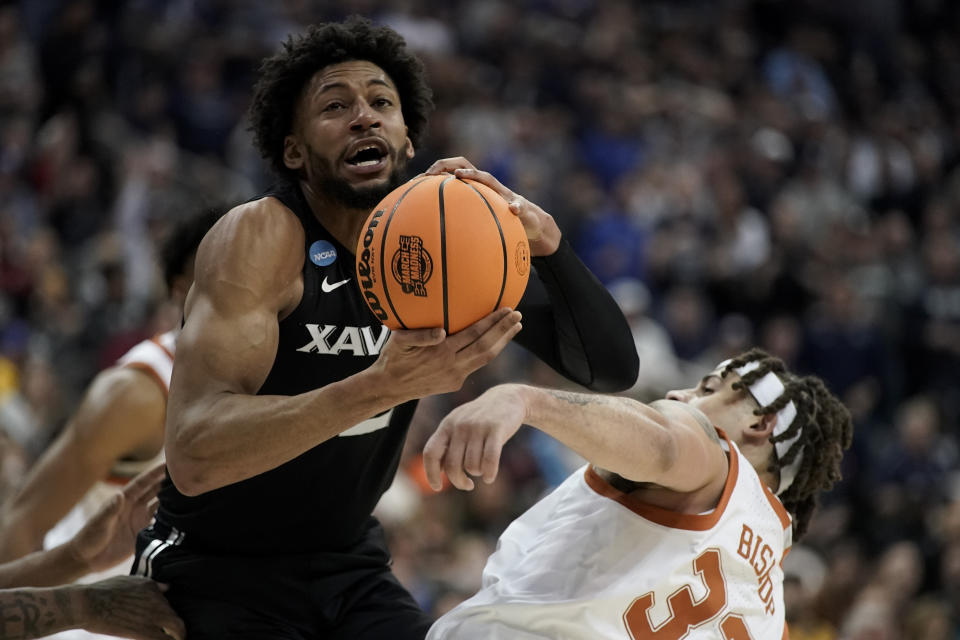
(187, 476)
(188, 471)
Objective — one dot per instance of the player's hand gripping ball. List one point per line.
(440, 251)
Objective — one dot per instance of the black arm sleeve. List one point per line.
(571, 322)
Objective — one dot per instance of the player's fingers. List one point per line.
(142, 517)
(486, 178)
(517, 206)
(433, 458)
(166, 623)
(110, 508)
(473, 454)
(147, 484)
(453, 463)
(173, 627)
(413, 338)
(490, 462)
(449, 165)
(468, 335)
(490, 344)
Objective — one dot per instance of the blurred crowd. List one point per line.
(737, 172)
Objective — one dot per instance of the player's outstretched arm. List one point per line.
(106, 539)
(574, 324)
(634, 440)
(120, 415)
(248, 277)
(123, 606)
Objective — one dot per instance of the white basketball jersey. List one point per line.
(589, 561)
(155, 358)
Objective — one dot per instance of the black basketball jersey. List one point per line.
(321, 500)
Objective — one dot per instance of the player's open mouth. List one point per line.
(367, 157)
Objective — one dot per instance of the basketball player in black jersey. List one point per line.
(290, 402)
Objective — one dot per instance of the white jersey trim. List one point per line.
(155, 356)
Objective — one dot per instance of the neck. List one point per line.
(760, 458)
(341, 222)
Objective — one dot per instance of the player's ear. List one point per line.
(409, 150)
(293, 155)
(764, 427)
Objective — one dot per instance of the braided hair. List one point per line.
(823, 423)
(284, 75)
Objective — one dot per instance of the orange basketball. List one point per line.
(439, 251)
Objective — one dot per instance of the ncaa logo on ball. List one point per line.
(521, 258)
(412, 266)
(322, 253)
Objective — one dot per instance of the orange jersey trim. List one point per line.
(778, 507)
(156, 340)
(150, 371)
(665, 517)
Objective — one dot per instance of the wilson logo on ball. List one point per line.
(366, 275)
(412, 266)
(440, 251)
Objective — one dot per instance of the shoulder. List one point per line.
(123, 392)
(256, 250)
(689, 419)
(159, 347)
(263, 226)
(153, 357)
(122, 385)
(698, 465)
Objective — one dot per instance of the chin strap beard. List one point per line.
(765, 391)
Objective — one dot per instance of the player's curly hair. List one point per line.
(183, 239)
(284, 75)
(824, 424)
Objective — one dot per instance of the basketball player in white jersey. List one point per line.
(677, 526)
(115, 433)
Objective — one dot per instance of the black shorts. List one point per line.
(324, 596)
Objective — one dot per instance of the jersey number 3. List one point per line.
(687, 614)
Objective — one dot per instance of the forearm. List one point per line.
(37, 613)
(225, 438)
(65, 472)
(43, 568)
(18, 538)
(590, 342)
(618, 434)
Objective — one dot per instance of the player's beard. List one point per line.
(345, 194)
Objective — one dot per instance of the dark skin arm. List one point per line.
(120, 416)
(124, 606)
(105, 540)
(248, 277)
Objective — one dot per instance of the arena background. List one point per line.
(737, 172)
